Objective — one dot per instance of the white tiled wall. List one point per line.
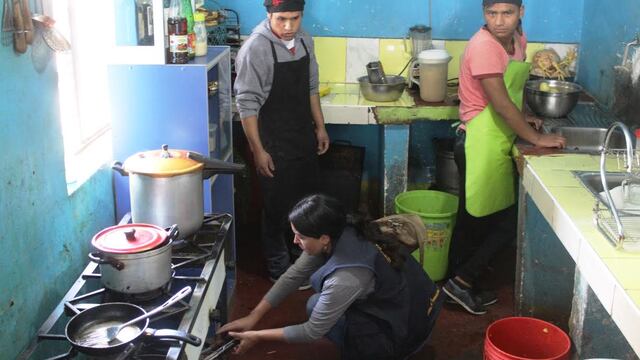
(359, 53)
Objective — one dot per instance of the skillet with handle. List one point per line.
(86, 331)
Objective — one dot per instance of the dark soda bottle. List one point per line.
(178, 35)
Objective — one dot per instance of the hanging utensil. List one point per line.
(26, 18)
(7, 23)
(52, 36)
(19, 35)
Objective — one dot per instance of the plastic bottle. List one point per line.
(187, 9)
(177, 29)
(201, 34)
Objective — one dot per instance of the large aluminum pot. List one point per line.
(168, 200)
(134, 258)
(166, 186)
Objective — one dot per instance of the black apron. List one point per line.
(287, 133)
(285, 122)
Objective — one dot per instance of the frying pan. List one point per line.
(81, 325)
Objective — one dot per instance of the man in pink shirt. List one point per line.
(492, 78)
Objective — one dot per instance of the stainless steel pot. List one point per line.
(166, 201)
(166, 186)
(139, 272)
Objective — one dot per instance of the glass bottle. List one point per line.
(191, 35)
(144, 22)
(177, 29)
(201, 34)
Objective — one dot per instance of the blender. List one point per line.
(420, 37)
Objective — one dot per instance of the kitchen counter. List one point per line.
(612, 275)
(346, 105)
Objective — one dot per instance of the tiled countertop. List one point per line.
(567, 206)
(346, 105)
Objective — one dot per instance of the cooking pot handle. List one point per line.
(96, 257)
(117, 166)
(213, 166)
(173, 232)
(174, 334)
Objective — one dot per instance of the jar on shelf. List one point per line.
(201, 34)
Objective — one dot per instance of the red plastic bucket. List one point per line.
(525, 338)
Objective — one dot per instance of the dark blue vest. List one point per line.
(398, 316)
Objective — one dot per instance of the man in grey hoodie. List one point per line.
(279, 104)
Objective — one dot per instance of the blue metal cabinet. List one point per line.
(153, 105)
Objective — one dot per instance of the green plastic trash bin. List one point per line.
(438, 212)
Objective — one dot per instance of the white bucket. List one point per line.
(434, 67)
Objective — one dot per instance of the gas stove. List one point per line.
(198, 262)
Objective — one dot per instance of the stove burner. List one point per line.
(195, 264)
(114, 296)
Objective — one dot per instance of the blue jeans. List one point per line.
(336, 334)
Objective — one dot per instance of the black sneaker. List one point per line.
(484, 297)
(464, 297)
(487, 297)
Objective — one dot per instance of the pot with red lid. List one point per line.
(166, 186)
(134, 258)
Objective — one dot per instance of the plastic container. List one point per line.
(525, 338)
(434, 68)
(438, 212)
(201, 34)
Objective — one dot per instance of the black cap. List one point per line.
(492, 2)
(284, 5)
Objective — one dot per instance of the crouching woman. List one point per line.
(373, 300)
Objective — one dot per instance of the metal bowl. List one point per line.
(391, 91)
(556, 102)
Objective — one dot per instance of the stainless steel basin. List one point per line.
(591, 181)
(588, 140)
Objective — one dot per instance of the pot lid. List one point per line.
(162, 163)
(129, 238)
(434, 56)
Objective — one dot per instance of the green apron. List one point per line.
(490, 172)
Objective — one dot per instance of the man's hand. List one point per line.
(323, 140)
(550, 141)
(264, 163)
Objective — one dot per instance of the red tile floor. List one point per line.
(457, 335)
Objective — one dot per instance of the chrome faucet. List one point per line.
(628, 165)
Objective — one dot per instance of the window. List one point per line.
(83, 85)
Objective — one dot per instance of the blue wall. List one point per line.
(45, 233)
(606, 30)
(545, 20)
